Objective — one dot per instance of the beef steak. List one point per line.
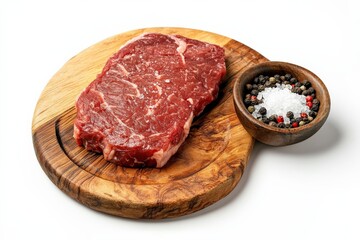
(139, 109)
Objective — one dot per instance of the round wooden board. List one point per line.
(205, 169)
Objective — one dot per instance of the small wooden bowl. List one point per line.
(280, 136)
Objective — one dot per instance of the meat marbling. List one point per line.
(139, 109)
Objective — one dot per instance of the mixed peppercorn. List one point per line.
(261, 82)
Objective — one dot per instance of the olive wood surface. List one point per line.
(205, 169)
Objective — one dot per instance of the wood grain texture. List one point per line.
(205, 169)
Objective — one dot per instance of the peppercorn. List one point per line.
(287, 125)
(254, 102)
(316, 101)
(272, 123)
(281, 125)
(305, 92)
(298, 84)
(254, 86)
(293, 80)
(301, 123)
(265, 120)
(292, 120)
(299, 91)
(272, 80)
(247, 101)
(290, 114)
(248, 87)
(256, 80)
(315, 107)
(272, 118)
(309, 98)
(277, 76)
(307, 84)
(306, 120)
(312, 114)
(282, 78)
(261, 87)
(298, 119)
(254, 92)
(303, 115)
(263, 80)
(295, 124)
(303, 87)
(309, 104)
(311, 90)
(248, 96)
(280, 119)
(251, 109)
(262, 111)
(288, 76)
(310, 118)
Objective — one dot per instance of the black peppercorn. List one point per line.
(305, 92)
(256, 80)
(247, 101)
(311, 90)
(307, 84)
(262, 111)
(312, 114)
(272, 118)
(298, 84)
(263, 80)
(293, 80)
(248, 87)
(290, 114)
(265, 120)
(254, 92)
(281, 125)
(315, 107)
(287, 76)
(273, 124)
(315, 101)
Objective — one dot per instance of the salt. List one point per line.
(279, 100)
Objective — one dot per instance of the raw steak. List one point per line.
(139, 109)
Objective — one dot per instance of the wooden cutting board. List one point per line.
(205, 169)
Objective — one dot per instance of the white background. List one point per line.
(305, 191)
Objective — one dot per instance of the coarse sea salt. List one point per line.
(279, 100)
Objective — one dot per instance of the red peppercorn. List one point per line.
(280, 119)
(303, 115)
(253, 97)
(309, 104)
(295, 124)
(309, 98)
